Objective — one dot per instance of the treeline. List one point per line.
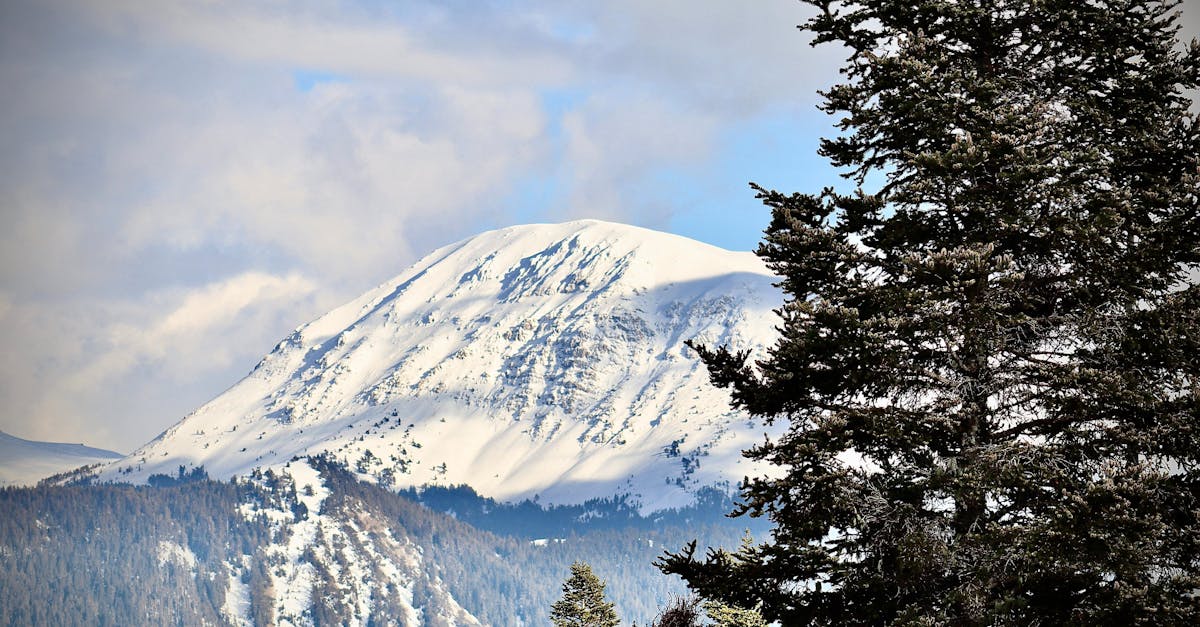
(528, 519)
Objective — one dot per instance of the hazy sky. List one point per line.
(183, 183)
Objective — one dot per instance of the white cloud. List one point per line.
(725, 55)
(613, 152)
(221, 311)
(68, 371)
(343, 180)
(336, 38)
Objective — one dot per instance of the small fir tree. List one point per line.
(583, 603)
(989, 353)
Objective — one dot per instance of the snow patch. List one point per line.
(179, 554)
(236, 609)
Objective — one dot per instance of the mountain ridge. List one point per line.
(25, 462)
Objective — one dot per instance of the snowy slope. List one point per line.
(541, 360)
(25, 462)
(354, 560)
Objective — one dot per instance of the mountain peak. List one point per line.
(539, 360)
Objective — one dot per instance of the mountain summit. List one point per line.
(541, 361)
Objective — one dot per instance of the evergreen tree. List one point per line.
(989, 351)
(583, 603)
(724, 615)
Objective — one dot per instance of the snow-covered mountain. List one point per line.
(542, 360)
(25, 462)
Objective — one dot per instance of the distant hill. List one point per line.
(25, 462)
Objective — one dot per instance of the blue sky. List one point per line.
(183, 182)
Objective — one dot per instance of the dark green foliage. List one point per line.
(988, 362)
(583, 603)
(184, 476)
(527, 519)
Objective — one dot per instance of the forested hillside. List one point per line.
(120, 555)
(283, 547)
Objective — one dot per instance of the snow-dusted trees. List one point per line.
(583, 603)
